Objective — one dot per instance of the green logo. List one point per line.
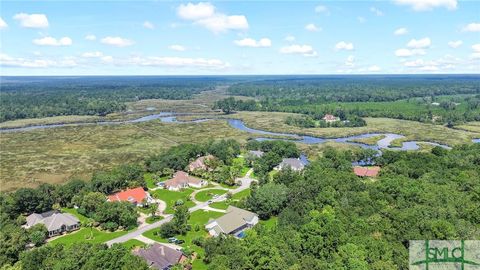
(436, 254)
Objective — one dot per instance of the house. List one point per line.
(256, 154)
(330, 118)
(135, 195)
(159, 256)
(292, 163)
(199, 163)
(366, 171)
(234, 222)
(55, 222)
(181, 180)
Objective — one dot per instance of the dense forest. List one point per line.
(34, 97)
(328, 218)
(433, 98)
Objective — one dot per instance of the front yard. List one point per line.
(170, 197)
(83, 235)
(208, 194)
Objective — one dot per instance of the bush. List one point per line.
(110, 226)
(198, 241)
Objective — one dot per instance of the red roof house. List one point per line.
(330, 118)
(134, 195)
(366, 171)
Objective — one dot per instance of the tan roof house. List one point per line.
(234, 222)
(292, 163)
(330, 118)
(55, 222)
(199, 163)
(181, 180)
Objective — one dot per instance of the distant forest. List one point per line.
(35, 97)
(432, 98)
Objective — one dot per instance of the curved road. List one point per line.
(139, 231)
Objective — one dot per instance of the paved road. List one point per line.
(245, 184)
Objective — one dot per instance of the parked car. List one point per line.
(172, 240)
(161, 184)
(179, 241)
(216, 196)
(209, 202)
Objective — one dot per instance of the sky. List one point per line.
(239, 37)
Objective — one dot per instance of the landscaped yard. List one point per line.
(133, 243)
(206, 195)
(170, 197)
(242, 194)
(197, 220)
(151, 219)
(83, 235)
(219, 205)
(269, 223)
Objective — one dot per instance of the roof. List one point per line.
(134, 195)
(159, 256)
(53, 220)
(256, 153)
(182, 178)
(366, 171)
(233, 219)
(199, 163)
(329, 117)
(293, 163)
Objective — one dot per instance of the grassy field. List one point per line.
(370, 141)
(83, 235)
(273, 121)
(133, 243)
(471, 126)
(219, 205)
(206, 195)
(54, 155)
(151, 220)
(170, 197)
(242, 194)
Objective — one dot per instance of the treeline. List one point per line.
(90, 198)
(43, 97)
(328, 218)
(221, 167)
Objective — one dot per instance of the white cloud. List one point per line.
(249, 42)
(148, 25)
(376, 11)
(420, 43)
(476, 51)
(408, 52)
(455, 44)
(32, 20)
(107, 59)
(51, 41)
(176, 47)
(472, 27)
(342, 45)
(423, 5)
(322, 9)
(8, 61)
(361, 19)
(195, 11)
(374, 68)
(3, 24)
(290, 38)
(400, 31)
(312, 27)
(305, 50)
(96, 54)
(117, 41)
(90, 37)
(204, 14)
(179, 62)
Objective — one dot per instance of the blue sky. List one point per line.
(239, 37)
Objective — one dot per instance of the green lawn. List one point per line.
(151, 220)
(170, 197)
(83, 219)
(269, 223)
(199, 218)
(150, 180)
(242, 194)
(133, 243)
(206, 195)
(219, 205)
(84, 233)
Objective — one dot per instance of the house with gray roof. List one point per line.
(234, 222)
(55, 222)
(256, 154)
(292, 163)
(159, 256)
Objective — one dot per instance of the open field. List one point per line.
(470, 126)
(370, 141)
(274, 121)
(83, 235)
(53, 155)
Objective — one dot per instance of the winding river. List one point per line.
(169, 117)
